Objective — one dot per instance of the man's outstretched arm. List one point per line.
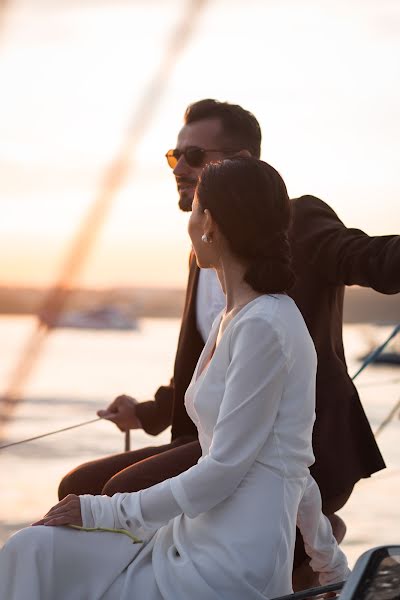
(342, 255)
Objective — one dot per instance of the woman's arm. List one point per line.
(327, 559)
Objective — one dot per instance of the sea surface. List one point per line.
(79, 371)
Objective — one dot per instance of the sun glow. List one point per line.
(319, 77)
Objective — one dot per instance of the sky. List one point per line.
(321, 76)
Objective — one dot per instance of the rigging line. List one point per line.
(371, 357)
(43, 435)
(388, 419)
(113, 178)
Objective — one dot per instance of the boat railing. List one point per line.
(330, 591)
(376, 576)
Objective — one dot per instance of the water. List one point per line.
(80, 371)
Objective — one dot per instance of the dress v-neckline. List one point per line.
(206, 357)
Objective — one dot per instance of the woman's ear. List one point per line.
(208, 223)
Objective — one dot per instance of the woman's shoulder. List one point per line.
(270, 309)
(267, 313)
(274, 318)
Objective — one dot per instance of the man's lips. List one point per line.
(186, 182)
(186, 185)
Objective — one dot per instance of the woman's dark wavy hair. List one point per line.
(248, 200)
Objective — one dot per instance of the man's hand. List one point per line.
(122, 412)
(66, 512)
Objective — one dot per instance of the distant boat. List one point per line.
(102, 318)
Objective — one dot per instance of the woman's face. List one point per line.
(199, 224)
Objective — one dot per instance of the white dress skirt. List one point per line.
(66, 564)
(226, 527)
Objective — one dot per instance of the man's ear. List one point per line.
(244, 153)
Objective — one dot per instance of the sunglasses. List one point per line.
(194, 155)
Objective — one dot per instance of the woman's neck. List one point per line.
(238, 293)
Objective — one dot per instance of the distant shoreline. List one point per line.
(135, 302)
(362, 305)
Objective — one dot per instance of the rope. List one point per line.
(127, 435)
(43, 435)
(371, 357)
(113, 179)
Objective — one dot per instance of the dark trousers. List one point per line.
(131, 471)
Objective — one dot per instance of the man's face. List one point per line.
(208, 135)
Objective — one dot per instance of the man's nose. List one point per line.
(182, 169)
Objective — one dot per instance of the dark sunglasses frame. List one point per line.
(194, 155)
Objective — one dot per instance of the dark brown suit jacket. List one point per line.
(327, 256)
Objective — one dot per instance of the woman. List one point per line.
(226, 527)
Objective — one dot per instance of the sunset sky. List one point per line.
(322, 77)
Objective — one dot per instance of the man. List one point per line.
(327, 256)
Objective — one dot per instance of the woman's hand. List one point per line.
(66, 512)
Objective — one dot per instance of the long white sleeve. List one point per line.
(124, 510)
(254, 383)
(327, 559)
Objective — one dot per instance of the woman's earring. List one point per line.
(206, 239)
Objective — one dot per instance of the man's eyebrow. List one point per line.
(184, 146)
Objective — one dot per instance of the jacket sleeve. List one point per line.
(344, 255)
(155, 415)
(246, 417)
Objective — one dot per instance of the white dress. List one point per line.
(226, 527)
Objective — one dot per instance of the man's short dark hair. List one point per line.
(240, 126)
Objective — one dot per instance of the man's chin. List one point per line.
(185, 203)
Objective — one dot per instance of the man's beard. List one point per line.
(186, 201)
